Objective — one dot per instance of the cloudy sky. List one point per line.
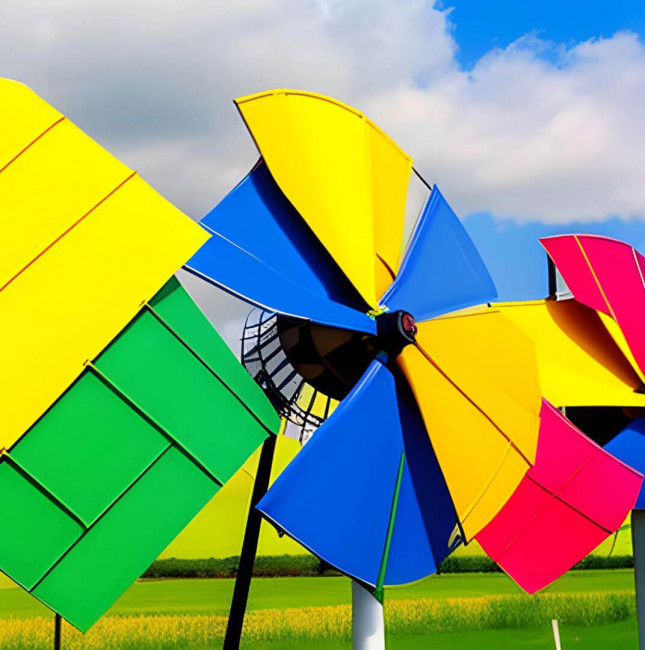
(529, 118)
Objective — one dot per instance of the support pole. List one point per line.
(368, 626)
(368, 623)
(638, 541)
(249, 548)
(57, 631)
(552, 276)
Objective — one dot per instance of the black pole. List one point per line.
(57, 625)
(553, 282)
(249, 548)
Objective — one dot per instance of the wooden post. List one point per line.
(249, 548)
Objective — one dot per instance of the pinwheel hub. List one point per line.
(395, 330)
(332, 360)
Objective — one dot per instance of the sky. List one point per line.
(528, 116)
(480, 26)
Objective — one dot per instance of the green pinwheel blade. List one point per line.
(126, 457)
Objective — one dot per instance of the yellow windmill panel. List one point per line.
(24, 117)
(494, 363)
(47, 189)
(345, 177)
(72, 301)
(481, 467)
(617, 334)
(579, 363)
(83, 243)
(390, 179)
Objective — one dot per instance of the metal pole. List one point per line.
(368, 622)
(249, 548)
(57, 630)
(552, 276)
(368, 626)
(638, 542)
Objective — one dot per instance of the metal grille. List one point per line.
(304, 407)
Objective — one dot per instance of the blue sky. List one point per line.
(517, 261)
(511, 248)
(481, 25)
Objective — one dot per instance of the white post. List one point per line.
(368, 626)
(638, 542)
(556, 634)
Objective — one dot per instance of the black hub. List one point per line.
(395, 330)
(332, 360)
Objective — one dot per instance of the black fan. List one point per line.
(304, 368)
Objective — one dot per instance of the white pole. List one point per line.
(638, 542)
(556, 635)
(368, 626)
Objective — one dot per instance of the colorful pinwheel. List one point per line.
(122, 412)
(606, 276)
(446, 436)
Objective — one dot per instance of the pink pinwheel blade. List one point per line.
(606, 275)
(574, 496)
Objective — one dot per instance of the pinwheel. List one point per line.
(122, 412)
(606, 275)
(446, 436)
(590, 346)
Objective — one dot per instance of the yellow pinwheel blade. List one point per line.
(580, 362)
(346, 178)
(617, 335)
(24, 118)
(84, 242)
(475, 379)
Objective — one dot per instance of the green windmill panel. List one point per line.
(177, 309)
(155, 370)
(88, 447)
(34, 532)
(124, 542)
(128, 455)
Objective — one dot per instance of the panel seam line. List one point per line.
(206, 365)
(32, 143)
(66, 231)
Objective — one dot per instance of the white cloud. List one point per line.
(154, 81)
(532, 139)
(522, 135)
(519, 135)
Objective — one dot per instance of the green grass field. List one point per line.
(615, 636)
(189, 602)
(194, 597)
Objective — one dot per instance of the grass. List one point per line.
(289, 613)
(212, 597)
(613, 636)
(332, 624)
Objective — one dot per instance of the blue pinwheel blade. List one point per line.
(263, 251)
(336, 496)
(629, 446)
(441, 270)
